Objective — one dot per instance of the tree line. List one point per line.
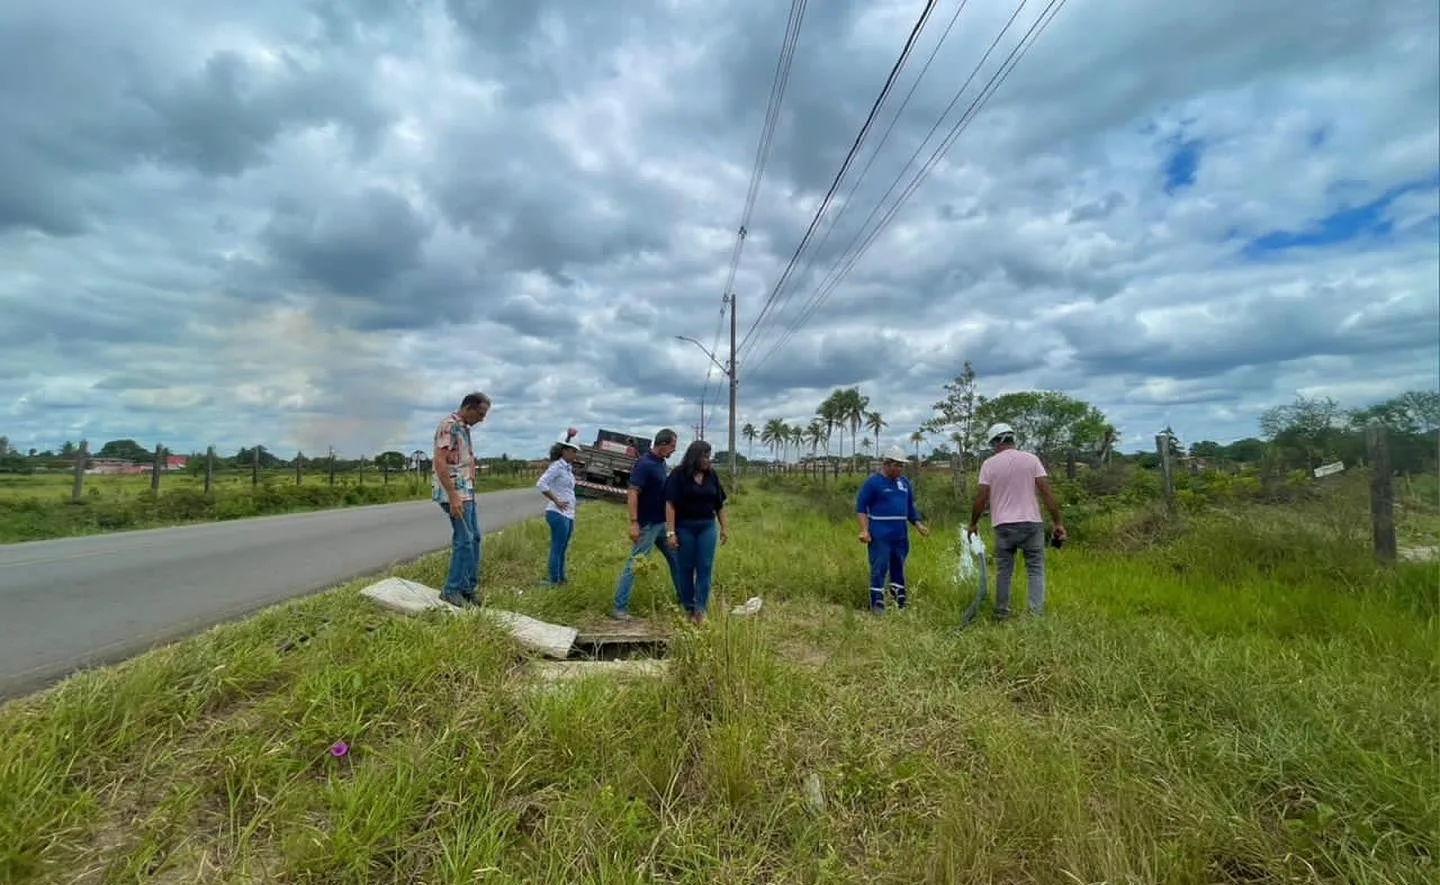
(1302, 435)
(13, 460)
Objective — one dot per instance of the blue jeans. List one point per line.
(695, 560)
(652, 537)
(464, 575)
(562, 529)
(887, 555)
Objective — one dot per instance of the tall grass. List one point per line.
(36, 507)
(1241, 698)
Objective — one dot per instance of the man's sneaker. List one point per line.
(621, 614)
(455, 600)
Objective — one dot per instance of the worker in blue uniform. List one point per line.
(886, 508)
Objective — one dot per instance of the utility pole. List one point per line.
(734, 459)
(728, 369)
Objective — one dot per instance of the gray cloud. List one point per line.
(320, 224)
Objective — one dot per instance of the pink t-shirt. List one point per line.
(1011, 476)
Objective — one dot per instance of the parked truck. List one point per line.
(602, 469)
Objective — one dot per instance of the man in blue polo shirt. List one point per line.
(646, 502)
(885, 507)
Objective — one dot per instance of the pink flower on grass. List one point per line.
(339, 748)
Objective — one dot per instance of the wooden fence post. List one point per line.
(255, 467)
(299, 477)
(210, 471)
(1167, 476)
(332, 466)
(1382, 493)
(77, 491)
(155, 468)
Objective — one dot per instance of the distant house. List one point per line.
(126, 467)
(110, 466)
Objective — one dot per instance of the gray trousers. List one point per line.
(1028, 538)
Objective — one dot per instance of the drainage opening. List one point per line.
(617, 647)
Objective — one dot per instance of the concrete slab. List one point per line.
(406, 596)
(570, 671)
(413, 598)
(551, 640)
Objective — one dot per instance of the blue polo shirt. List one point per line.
(648, 475)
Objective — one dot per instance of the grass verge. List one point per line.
(1191, 711)
(34, 508)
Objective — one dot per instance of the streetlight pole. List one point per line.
(729, 370)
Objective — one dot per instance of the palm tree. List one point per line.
(854, 407)
(773, 435)
(829, 415)
(918, 437)
(749, 433)
(813, 434)
(874, 423)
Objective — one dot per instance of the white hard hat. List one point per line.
(895, 454)
(566, 438)
(998, 430)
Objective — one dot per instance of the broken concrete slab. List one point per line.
(551, 640)
(413, 598)
(405, 596)
(570, 671)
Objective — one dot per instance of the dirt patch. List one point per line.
(802, 652)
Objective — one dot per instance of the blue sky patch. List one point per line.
(1182, 164)
(1365, 220)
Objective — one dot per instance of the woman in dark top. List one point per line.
(694, 509)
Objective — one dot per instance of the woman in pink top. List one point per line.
(1013, 483)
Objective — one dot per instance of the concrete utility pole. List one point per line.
(729, 370)
(734, 459)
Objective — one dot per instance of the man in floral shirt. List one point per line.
(454, 491)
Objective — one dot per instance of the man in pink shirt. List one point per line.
(1013, 482)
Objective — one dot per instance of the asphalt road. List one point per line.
(73, 603)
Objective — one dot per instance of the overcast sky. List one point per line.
(308, 223)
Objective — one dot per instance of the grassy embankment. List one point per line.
(1241, 698)
(38, 506)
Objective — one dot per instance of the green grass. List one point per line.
(1244, 698)
(38, 506)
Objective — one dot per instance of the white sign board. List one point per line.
(1329, 469)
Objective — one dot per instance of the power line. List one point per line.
(844, 166)
(778, 83)
(1007, 66)
(884, 137)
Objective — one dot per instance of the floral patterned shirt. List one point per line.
(453, 437)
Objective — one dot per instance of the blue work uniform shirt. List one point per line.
(890, 504)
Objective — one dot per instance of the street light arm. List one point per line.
(706, 351)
